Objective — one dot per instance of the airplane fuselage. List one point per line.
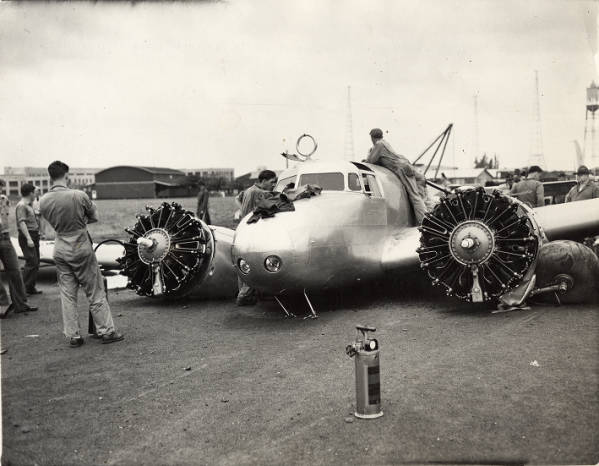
(331, 240)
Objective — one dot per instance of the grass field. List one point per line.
(117, 214)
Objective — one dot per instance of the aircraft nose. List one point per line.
(263, 254)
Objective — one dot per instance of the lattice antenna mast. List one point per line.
(348, 151)
(590, 126)
(476, 129)
(537, 157)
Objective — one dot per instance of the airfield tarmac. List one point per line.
(210, 383)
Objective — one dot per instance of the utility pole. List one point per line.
(348, 152)
(476, 135)
(536, 155)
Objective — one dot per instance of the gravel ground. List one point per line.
(209, 383)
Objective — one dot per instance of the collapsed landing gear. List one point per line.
(288, 314)
(567, 272)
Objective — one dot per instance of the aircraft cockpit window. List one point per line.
(353, 182)
(327, 181)
(370, 185)
(285, 182)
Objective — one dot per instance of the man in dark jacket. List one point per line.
(585, 188)
(10, 262)
(530, 190)
(203, 196)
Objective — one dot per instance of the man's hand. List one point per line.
(30, 243)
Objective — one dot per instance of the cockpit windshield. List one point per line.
(327, 181)
(286, 183)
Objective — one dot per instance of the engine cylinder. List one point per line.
(478, 245)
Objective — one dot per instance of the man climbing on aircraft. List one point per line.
(248, 200)
(381, 153)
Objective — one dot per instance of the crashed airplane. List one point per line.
(479, 245)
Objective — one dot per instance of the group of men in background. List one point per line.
(529, 189)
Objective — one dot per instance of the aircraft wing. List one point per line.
(572, 220)
(107, 254)
(558, 221)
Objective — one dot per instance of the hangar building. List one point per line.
(131, 182)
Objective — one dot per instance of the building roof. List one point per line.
(152, 170)
(463, 172)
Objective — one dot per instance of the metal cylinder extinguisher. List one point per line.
(365, 350)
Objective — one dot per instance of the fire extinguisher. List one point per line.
(365, 350)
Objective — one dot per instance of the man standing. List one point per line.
(530, 190)
(248, 201)
(584, 189)
(29, 237)
(381, 153)
(202, 211)
(9, 260)
(69, 211)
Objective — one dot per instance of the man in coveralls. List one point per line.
(69, 211)
(381, 153)
(248, 200)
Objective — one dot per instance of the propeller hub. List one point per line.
(471, 243)
(153, 246)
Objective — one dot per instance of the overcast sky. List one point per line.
(235, 83)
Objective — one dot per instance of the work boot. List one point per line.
(112, 337)
(34, 291)
(76, 342)
(4, 310)
(27, 308)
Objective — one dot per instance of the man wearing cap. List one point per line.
(29, 237)
(584, 189)
(381, 153)
(69, 211)
(530, 190)
(10, 262)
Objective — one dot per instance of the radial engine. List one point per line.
(172, 253)
(481, 246)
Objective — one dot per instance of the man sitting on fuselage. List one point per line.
(381, 153)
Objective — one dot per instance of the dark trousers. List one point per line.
(3, 295)
(32, 259)
(204, 216)
(8, 256)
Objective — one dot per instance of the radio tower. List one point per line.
(590, 157)
(348, 152)
(476, 130)
(536, 155)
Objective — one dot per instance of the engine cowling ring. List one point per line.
(478, 245)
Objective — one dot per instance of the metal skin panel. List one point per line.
(332, 240)
(221, 280)
(569, 221)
